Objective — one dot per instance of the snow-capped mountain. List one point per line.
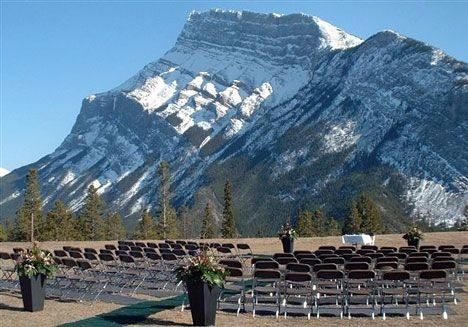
(3, 171)
(292, 109)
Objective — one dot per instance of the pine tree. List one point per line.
(207, 230)
(352, 224)
(113, 227)
(30, 210)
(228, 229)
(371, 222)
(333, 228)
(59, 224)
(91, 217)
(319, 223)
(3, 234)
(304, 224)
(146, 229)
(167, 219)
(463, 225)
(10, 230)
(184, 219)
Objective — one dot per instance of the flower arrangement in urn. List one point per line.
(33, 266)
(203, 277)
(414, 235)
(287, 234)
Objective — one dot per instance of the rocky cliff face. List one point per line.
(292, 109)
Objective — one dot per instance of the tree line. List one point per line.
(95, 223)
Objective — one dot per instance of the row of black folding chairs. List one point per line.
(333, 289)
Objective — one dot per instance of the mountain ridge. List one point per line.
(201, 106)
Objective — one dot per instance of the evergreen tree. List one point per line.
(184, 219)
(333, 228)
(371, 222)
(319, 223)
(146, 229)
(228, 229)
(31, 209)
(352, 224)
(167, 219)
(113, 227)
(59, 224)
(3, 234)
(207, 230)
(91, 217)
(10, 230)
(304, 224)
(463, 225)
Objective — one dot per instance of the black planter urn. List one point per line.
(414, 242)
(288, 244)
(203, 299)
(33, 292)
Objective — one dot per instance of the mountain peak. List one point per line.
(4, 172)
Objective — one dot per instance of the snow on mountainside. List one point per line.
(291, 108)
(3, 172)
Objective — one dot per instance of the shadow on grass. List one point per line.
(132, 314)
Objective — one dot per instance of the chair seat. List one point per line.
(392, 291)
(298, 291)
(233, 287)
(330, 291)
(360, 291)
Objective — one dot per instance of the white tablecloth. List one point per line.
(361, 239)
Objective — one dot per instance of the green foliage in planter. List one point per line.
(35, 261)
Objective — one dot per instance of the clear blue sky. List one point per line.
(55, 53)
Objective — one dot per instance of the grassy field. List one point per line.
(58, 312)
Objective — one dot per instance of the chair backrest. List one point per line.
(327, 247)
(386, 251)
(151, 245)
(269, 274)
(76, 249)
(57, 260)
(90, 250)
(125, 258)
(441, 254)
(76, 255)
(140, 244)
(5, 256)
(191, 247)
(153, 256)
(234, 272)
(136, 254)
(343, 251)
(179, 252)
(370, 247)
(310, 262)
(285, 261)
(120, 252)
(283, 255)
(177, 246)
(443, 265)
(337, 261)
(347, 247)
(181, 242)
(375, 255)
(361, 274)
(330, 274)
(349, 266)
(433, 274)
(169, 257)
(301, 252)
(365, 259)
(65, 248)
(148, 249)
(107, 251)
(400, 255)
(419, 254)
(222, 249)
(107, 257)
(416, 266)
(426, 247)
(60, 253)
(83, 264)
(322, 252)
(386, 265)
(452, 251)
(416, 259)
(164, 246)
(91, 256)
(136, 248)
(396, 275)
(266, 265)
(394, 249)
(164, 251)
(297, 267)
(324, 266)
(124, 247)
(387, 259)
(69, 262)
(365, 251)
(442, 248)
(110, 247)
(18, 250)
(407, 249)
(301, 256)
(231, 263)
(243, 246)
(228, 245)
(298, 277)
(443, 259)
